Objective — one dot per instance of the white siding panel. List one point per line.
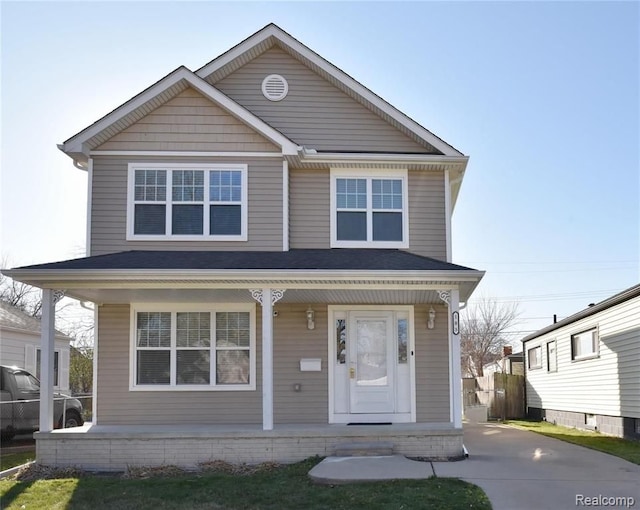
(608, 384)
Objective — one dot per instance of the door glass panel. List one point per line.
(341, 339)
(402, 340)
(371, 361)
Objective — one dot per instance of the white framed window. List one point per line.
(584, 345)
(187, 202)
(534, 358)
(369, 208)
(193, 347)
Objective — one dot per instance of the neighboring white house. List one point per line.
(584, 371)
(509, 363)
(20, 345)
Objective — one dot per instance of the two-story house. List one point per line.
(269, 252)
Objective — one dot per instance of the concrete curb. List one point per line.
(13, 470)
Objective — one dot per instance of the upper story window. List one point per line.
(369, 209)
(187, 202)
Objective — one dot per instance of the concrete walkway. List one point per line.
(518, 470)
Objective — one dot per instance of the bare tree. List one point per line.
(484, 332)
(18, 294)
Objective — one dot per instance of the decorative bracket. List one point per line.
(57, 296)
(276, 295)
(445, 295)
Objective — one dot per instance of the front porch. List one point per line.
(114, 448)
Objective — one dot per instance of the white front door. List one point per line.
(371, 363)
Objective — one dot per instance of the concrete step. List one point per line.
(364, 449)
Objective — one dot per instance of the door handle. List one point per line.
(352, 373)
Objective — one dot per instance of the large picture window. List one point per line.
(188, 347)
(187, 202)
(369, 209)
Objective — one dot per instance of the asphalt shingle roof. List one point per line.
(330, 259)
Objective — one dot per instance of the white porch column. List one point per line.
(456, 370)
(452, 299)
(267, 360)
(47, 349)
(267, 297)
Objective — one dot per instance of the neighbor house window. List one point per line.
(534, 357)
(369, 209)
(187, 202)
(584, 345)
(552, 357)
(187, 347)
(56, 365)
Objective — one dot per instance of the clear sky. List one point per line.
(543, 97)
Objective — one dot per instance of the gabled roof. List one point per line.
(79, 145)
(12, 318)
(614, 300)
(272, 35)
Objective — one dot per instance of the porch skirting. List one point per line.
(114, 448)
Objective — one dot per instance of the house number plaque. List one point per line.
(455, 318)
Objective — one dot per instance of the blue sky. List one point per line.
(543, 97)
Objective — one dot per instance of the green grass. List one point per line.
(282, 488)
(15, 459)
(624, 448)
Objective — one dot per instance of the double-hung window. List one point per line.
(187, 202)
(369, 209)
(187, 347)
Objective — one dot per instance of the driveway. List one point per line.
(522, 470)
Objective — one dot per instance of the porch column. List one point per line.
(267, 297)
(452, 299)
(47, 349)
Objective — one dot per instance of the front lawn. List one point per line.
(15, 459)
(285, 487)
(624, 448)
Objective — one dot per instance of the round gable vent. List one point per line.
(275, 87)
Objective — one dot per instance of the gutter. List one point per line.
(616, 299)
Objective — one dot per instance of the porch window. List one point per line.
(173, 348)
(369, 209)
(187, 202)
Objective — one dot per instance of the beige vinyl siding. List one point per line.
(109, 207)
(606, 385)
(189, 122)
(309, 209)
(315, 113)
(309, 214)
(427, 218)
(293, 341)
(118, 406)
(432, 366)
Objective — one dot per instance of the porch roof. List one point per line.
(330, 274)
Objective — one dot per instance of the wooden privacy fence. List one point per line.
(502, 394)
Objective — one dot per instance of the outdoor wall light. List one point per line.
(432, 318)
(311, 318)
